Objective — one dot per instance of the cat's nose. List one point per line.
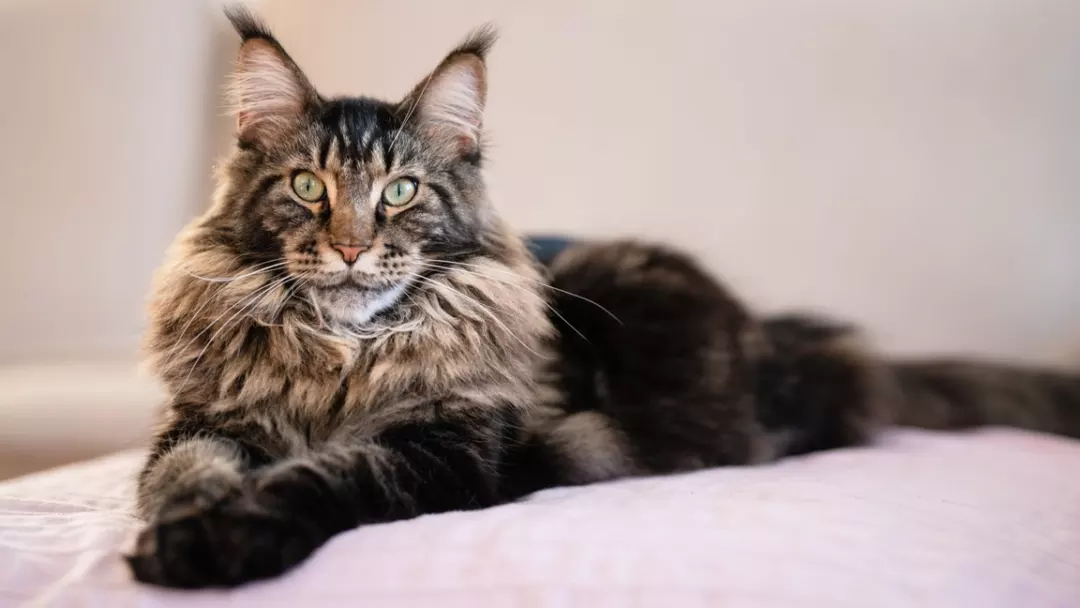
(349, 253)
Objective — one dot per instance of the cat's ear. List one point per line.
(268, 92)
(448, 105)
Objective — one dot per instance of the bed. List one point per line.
(989, 518)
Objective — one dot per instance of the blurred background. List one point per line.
(913, 165)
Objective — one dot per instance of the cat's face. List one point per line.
(354, 199)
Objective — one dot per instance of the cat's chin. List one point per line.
(355, 306)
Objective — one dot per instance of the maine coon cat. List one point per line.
(352, 335)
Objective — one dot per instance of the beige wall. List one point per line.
(913, 164)
(105, 152)
(107, 118)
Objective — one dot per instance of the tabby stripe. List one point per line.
(366, 144)
(261, 190)
(343, 143)
(377, 490)
(324, 150)
(388, 153)
(435, 485)
(351, 137)
(342, 132)
(445, 471)
(308, 492)
(446, 199)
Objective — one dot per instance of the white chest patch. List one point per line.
(354, 309)
(361, 311)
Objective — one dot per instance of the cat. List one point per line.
(352, 334)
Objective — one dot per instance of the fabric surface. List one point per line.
(922, 519)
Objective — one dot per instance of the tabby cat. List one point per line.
(351, 334)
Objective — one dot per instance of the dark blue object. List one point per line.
(545, 248)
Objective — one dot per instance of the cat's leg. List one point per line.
(193, 470)
(287, 509)
(197, 465)
(407, 470)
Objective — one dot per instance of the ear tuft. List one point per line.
(246, 23)
(268, 92)
(478, 42)
(449, 103)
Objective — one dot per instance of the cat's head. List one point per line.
(354, 197)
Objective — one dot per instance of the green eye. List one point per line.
(308, 186)
(399, 192)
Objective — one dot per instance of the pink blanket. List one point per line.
(922, 519)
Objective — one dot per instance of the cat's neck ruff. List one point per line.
(476, 328)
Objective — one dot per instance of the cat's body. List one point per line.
(352, 335)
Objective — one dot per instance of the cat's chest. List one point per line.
(358, 379)
(328, 381)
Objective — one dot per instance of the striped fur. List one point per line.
(437, 371)
(954, 394)
(947, 393)
(308, 395)
(661, 369)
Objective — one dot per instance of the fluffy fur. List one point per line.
(310, 393)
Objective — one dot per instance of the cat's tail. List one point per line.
(933, 393)
(955, 394)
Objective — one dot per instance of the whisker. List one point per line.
(412, 108)
(243, 303)
(301, 284)
(261, 268)
(526, 290)
(417, 305)
(195, 314)
(191, 319)
(480, 307)
(315, 307)
(263, 293)
(176, 346)
(381, 330)
(538, 282)
(289, 293)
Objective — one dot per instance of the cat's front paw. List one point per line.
(221, 544)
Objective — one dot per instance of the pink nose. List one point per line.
(349, 253)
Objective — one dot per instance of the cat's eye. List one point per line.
(399, 192)
(308, 186)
